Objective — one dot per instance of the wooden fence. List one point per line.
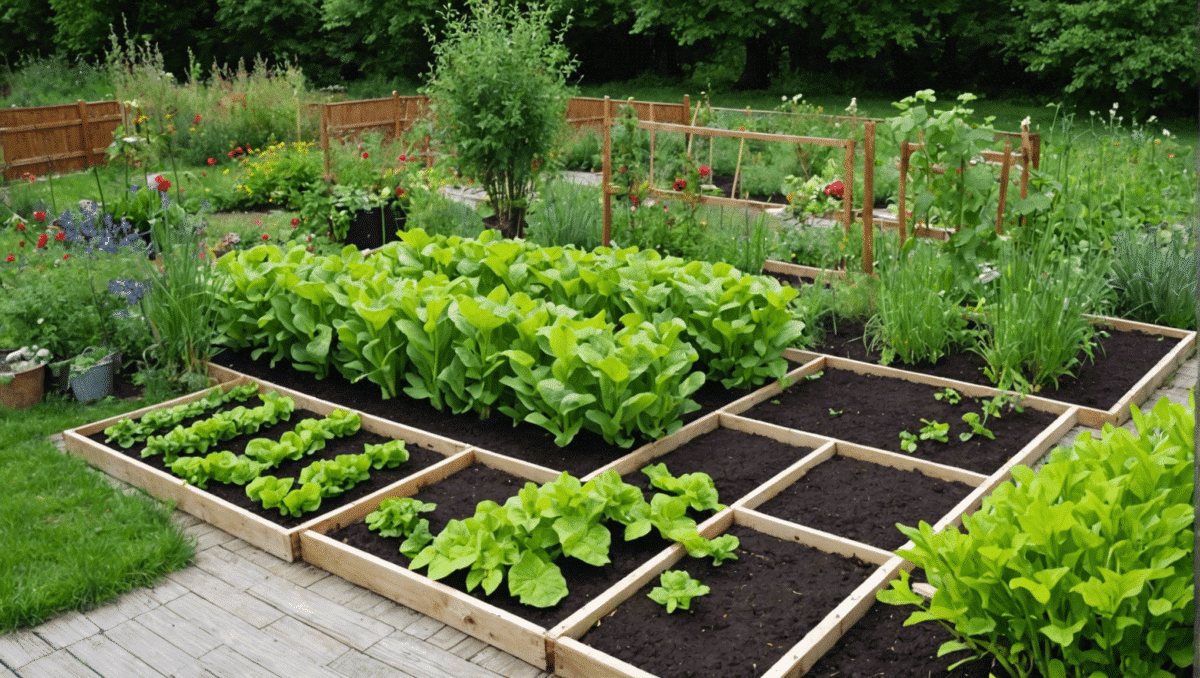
(63, 138)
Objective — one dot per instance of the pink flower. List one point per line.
(42, 240)
(212, 161)
(836, 190)
(402, 158)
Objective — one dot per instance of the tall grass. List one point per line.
(1155, 281)
(566, 213)
(1033, 312)
(46, 81)
(918, 317)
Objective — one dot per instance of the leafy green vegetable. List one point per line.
(933, 430)
(128, 432)
(696, 488)
(536, 581)
(269, 491)
(223, 467)
(676, 590)
(220, 427)
(334, 476)
(398, 516)
(977, 428)
(1086, 564)
(908, 441)
(386, 455)
(949, 395)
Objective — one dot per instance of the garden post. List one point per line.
(606, 172)
(1004, 167)
(868, 210)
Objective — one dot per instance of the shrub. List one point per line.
(1087, 564)
(498, 94)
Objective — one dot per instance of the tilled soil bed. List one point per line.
(872, 410)
(1120, 360)
(863, 501)
(760, 605)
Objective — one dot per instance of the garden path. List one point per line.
(243, 613)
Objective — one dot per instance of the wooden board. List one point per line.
(801, 271)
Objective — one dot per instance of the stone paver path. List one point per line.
(239, 612)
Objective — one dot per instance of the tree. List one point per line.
(498, 94)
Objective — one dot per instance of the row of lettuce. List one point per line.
(613, 341)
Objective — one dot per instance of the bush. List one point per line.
(498, 94)
(1087, 564)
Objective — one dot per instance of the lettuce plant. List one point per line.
(1084, 566)
(398, 516)
(220, 427)
(676, 590)
(128, 432)
(695, 488)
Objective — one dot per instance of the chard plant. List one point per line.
(1085, 567)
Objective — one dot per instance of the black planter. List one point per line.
(373, 228)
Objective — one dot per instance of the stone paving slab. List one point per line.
(239, 612)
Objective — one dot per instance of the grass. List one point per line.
(71, 539)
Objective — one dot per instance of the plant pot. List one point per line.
(25, 390)
(95, 382)
(372, 228)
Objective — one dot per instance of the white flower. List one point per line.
(1151, 119)
(1166, 132)
(1025, 122)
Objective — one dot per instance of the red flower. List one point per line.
(295, 223)
(230, 154)
(42, 240)
(705, 171)
(265, 236)
(66, 256)
(10, 258)
(238, 150)
(60, 236)
(258, 222)
(836, 190)
(366, 155)
(633, 199)
(212, 161)
(20, 226)
(39, 217)
(680, 184)
(163, 184)
(399, 191)
(402, 158)
(196, 120)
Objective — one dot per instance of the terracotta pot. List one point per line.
(25, 390)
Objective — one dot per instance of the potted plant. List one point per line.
(365, 216)
(22, 374)
(90, 374)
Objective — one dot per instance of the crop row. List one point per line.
(558, 337)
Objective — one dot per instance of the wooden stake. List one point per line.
(606, 173)
(868, 210)
(1004, 166)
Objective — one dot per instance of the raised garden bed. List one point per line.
(227, 507)
(870, 405)
(1129, 364)
(770, 612)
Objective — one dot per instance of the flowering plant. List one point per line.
(813, 197)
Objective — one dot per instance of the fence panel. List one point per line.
(62, 138)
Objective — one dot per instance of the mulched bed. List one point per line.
(1122, 359)
(456, 498)
(737, 462)
(586, 452)
(419, 458)
(872, 410)
(760, 605)
(863, 501)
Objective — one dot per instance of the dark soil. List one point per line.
(760, 605)
(456, 498)
(737, 462)
(419, 458)
(863, 501)
(585, 453)
(872, 410)
(1121, 360)
(880, 646)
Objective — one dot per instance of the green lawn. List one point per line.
(71, 539)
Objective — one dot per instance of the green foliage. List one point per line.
(977, 428)
(1086, 564)
(223, 467)
(128, 432)
(498, 93)
(1143, 50)
(908, 441)
(53, 79)
(399, 517)
(933, 430)
(696, 488)
(566, 214)
(918, 318)
(308, 437)
(1154, 281)
(949, 395)
(222, 426)
(676, 590)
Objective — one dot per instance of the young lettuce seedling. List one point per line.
(935, 431)
(977, 428)
(908, 442)
(677, 590)
(949, 395)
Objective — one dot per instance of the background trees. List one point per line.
(1140, 52)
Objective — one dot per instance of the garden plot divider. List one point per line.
(262, 533)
